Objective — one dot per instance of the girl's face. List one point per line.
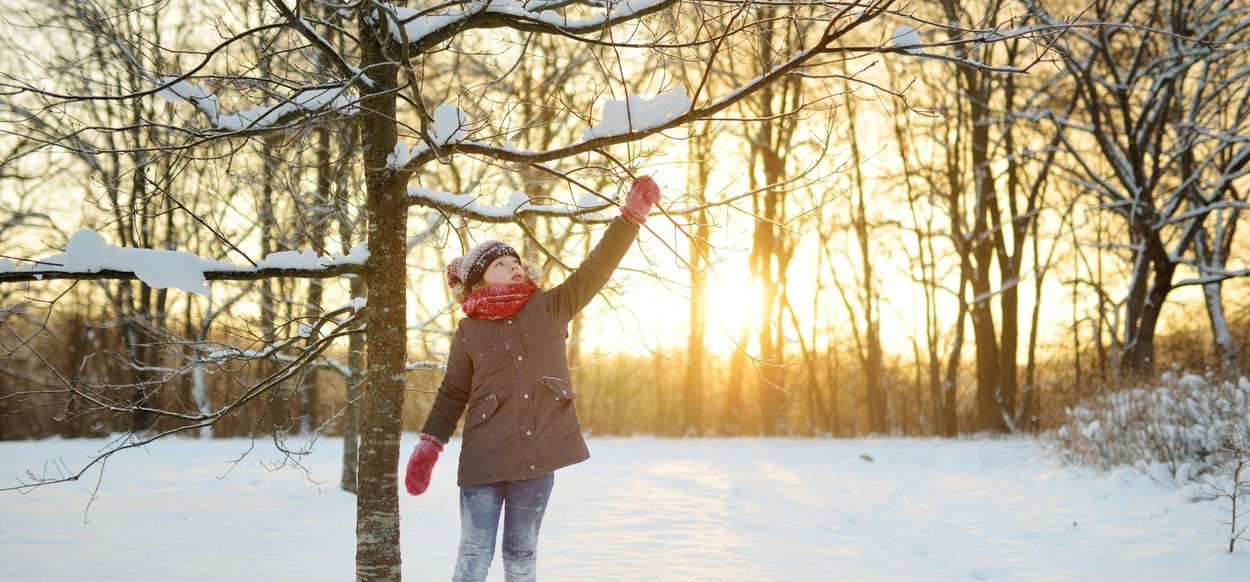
(505, 269)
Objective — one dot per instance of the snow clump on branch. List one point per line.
(184, 91)
(262, 116)
(906, 36)
(637, 113)
(88, 252)
(451, 125)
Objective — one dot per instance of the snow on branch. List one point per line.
(451, 125)
(907, 39)
(1211, 275)
(306, 102)
(518, 205)
(88, 256)
(216, 353)
(421, 27)
(637, 117)
(637, 113)
(175, 90)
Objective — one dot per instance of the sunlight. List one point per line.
(732, 302)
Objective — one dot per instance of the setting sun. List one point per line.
(732, 302)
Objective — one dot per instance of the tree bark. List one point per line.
(1148, 291)
(700, 151)
(316, 220)
(386, 207)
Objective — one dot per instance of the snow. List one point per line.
(451, 125)
(356, 256)
(907, 36)
(88, 252)
(333, 98)
(416, 28)
(308, 259)
(289, 260)
(176, 91)
(470, 203)
(637, 113)
(261, 116)
(616, 10)
(404, 153)
(185, 91)
(305, 330)
(1181, 424)
(590, 200)
(641, 509)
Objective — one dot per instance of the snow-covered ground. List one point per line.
(640, 509)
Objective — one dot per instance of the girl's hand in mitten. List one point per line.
(421, 464)
(642, 195)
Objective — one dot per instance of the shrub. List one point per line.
(1181, 423)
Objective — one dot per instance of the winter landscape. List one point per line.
(672, 290)
(640, 509)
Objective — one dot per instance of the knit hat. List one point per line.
(470, 268)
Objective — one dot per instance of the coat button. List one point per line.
(532, 467)
(525, 396)
(519, 358)
(509, 322)
(528, 433)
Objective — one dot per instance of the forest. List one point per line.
(233, 218)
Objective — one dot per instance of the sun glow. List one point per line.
(731, 305)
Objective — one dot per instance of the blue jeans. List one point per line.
(523, 504)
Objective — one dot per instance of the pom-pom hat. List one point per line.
(470, 268)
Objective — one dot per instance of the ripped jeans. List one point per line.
(523, 504)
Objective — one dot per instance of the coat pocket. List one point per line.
(562, 389)
(481, 411)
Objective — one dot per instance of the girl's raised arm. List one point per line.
(568, 298)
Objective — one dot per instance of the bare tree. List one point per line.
(386, 76)
(1161, 96)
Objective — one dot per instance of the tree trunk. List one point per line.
(770, 248)
(700, 151)
(1151, 283)
(735, 419)
(948, 421)
(377, 500)
(316, 220)
(1214, 254)
(1031, 409)
(279, 412)
(351, 412)
(768, 364)
(356, 343)
(868, 297)
(928, 279)
(1212, 293)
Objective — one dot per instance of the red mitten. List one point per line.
(642, 195)
(421, 464)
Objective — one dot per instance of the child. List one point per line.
(508, 366)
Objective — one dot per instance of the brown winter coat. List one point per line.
(513, 376)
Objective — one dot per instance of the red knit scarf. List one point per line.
(498, 301)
